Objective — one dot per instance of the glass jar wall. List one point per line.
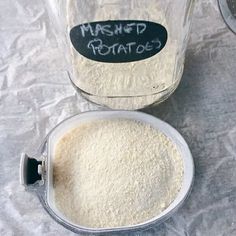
(125, 54)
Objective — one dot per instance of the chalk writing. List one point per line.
(111, 30)
(118, 41)
(98, 47)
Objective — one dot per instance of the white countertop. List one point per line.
(35, 95)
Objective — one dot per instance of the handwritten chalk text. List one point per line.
(99, 48)
(112, 30)
(118, 41)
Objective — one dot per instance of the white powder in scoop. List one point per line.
(141, 78)
(119, 172)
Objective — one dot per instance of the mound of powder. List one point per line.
(118, 172)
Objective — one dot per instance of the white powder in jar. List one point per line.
(110, 173)
(139, 83)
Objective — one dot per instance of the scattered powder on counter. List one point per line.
(117, 172)
(145, 78)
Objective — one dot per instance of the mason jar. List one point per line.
(124, 54)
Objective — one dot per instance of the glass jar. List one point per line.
(125, 54)
(228, 12)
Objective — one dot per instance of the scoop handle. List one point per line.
(30, 170)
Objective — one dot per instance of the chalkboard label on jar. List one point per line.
(118, 41)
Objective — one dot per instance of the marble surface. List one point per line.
(35, 95)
